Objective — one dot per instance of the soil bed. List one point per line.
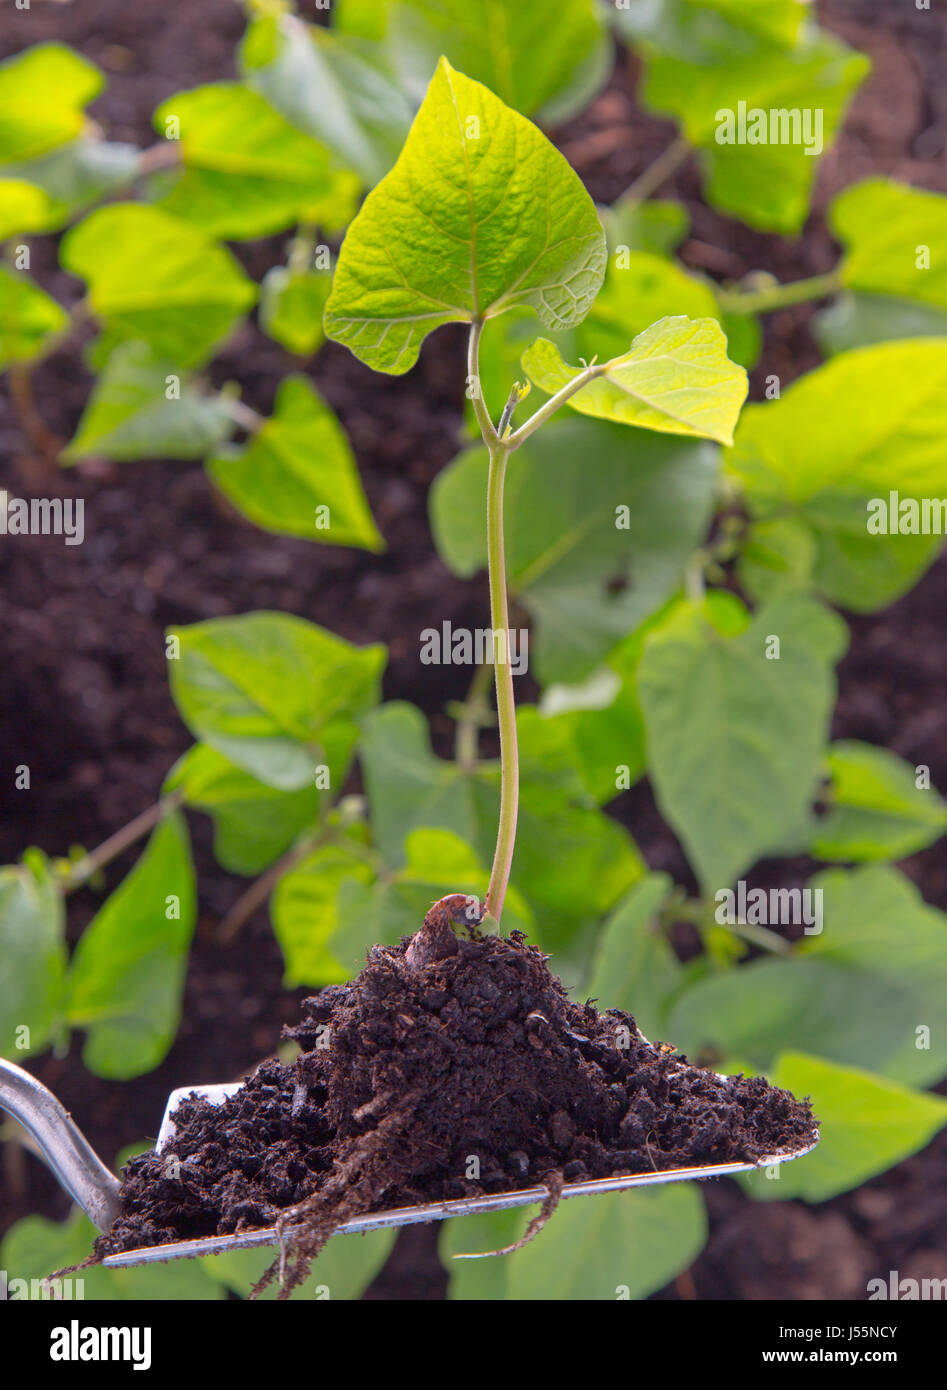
(408, 1072)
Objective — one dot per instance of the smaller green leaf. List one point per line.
(635, 967)
(28, 317)
(248, 171)
(253, 823)
(42, 93)
(876, 809)
(24, 208)
(291, 307)
(269, 691)
(297, 475)
(535, 59)
(141, 409)
(893, 236)
(162, 281)
(867, 1125)
(676, 378)
(126, 976)
(338, 89)
(32, 956)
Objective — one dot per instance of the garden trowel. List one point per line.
(86, 1178)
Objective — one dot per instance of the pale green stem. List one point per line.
(123, 839)
(503, 670)
(546, 412)
(766, 301)
(663, 167)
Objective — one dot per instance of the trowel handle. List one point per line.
(67, 1151)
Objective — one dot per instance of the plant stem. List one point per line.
(490, 436)
(546, 412)
(503, 670)
(765, 301)
(123, 839)
(260, 889)
(243, 415)
(663, 167)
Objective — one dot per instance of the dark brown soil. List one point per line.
(408, 1073)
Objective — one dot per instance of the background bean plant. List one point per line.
(681, 579)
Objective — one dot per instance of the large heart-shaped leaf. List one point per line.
(480, 214)
(675, 378)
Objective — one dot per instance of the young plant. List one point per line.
(482, 215)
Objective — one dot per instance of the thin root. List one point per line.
(554, 1183)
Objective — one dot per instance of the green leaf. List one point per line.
(162, 280)
(28, 317)
(42, 93)
(867, 1126)
(253, 823)
(75, 175)
(340, 90)
(635, 967)
(269, 691)
(886, 227)
(130, 414)
(600, 525)
(34, 1247)
(32, 956)
(855, 320)
(305, 914)
(445, 236)
(248, 172)
(534, 59)
(711, 31)
(767, 185)
(126, 976)
(296, 475)
(860, 993)
(344, 1270)
(291, 307)
(832, 449)
(617, 1246)
(735, 737)
(675, 378)
(24, 208)
(876, 809)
